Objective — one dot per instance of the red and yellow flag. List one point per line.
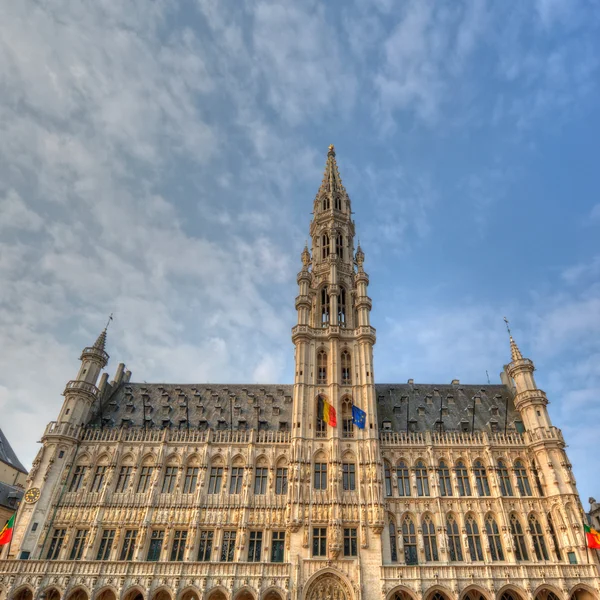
(592, 536)
(7, 532)
(326, 412)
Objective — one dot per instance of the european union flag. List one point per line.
(358, 417)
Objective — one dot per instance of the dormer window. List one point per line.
(386, 425)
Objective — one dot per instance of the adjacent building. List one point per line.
(13, 476)
(153, 491)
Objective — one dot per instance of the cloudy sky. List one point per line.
(158, 160)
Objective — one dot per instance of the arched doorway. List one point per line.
(328, 586)
(106, 594)
(437, 595)
(23, 594)
(189, 595)
(162, 594)
(400, 595)
(51, 594)
(582, 593)
(78, 594)
(546, 594)
(473, 594)
(244, 594)
(217, 594)
(272, 595)
(510, 595)
(134, 594)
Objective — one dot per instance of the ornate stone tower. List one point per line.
(334, 362)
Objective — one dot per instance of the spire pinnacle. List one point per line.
(514, 349)
(332, 182)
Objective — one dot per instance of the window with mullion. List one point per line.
(78, 544)
(77, 479)
(56, 544)
(191, 480)
(393, 542)
(214, 482)
(237, 478)
(422, 479)
(444, 479)
(255, 546)
(98, 480)
(156, 543)
(169, 480)
(349, 477)
(228, 546)
(473, 539)
(106, 543)
(454, 543)
(144, 480)
(493, 533)
(178, 547)
(129, 543)
(319, 541)
(320, 480)
(481, 480)
(350, 545)
(504, 479)
(409, 540)
(429, 539)
(277, 546)
(518, 538)
(462, 479)
(205, 546)
(537, 536)
(123, 479)
(522, 479)
(403, 475)
(260, 480)
(281, 481)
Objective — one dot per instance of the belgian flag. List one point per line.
(326, 412)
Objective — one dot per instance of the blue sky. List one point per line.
(159, 160)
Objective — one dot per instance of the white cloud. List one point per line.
(14, 214)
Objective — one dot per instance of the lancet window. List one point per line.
(537, 536)
(387, 476)
(473, 538)
(393, 542)
(322, 367)
(554, 538)
(522, 479)
(409, 540)
(325, 312)
(339, 246)
(346, 368)
(518, 538)
(429, 539)
(504, 479)
(337, 202)
(325, 246)
(325, 202)
(481, 479)
(454, 545)
(493, 533)
(341, 307)
(347, 423)
(403, 476)
(462, 479)
(444, 479)
(422, 480)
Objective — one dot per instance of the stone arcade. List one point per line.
(240, 492)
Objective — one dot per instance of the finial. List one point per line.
(331, 150)
(514, 349)
(110, 318)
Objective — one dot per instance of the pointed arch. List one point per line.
(393, 533)
(322, 366)
(493, 533)
(346, 366)
(422, 478)
(403, 478)
(504, 478)
(438, 592)
(325, 243)
(462, 478)
(409, 539)
(24, 592)
(401, 592)
(537, 537)
(218, 592)
(429, 538)
(347, 422)
(455, 553)
(522, 478)
(341, 306)
(79, 592)
(133, 592)
(325, 306)
(192, 460)
(547, 591)
(516, 529)
(52, 592)
(512, 592)
(481, 478)
(582, 591)
(107, 592)
(273, 593)
(328, 579)
(475, 592)
(444, 480)
(473, 537)
(245, 593)
(189, 593)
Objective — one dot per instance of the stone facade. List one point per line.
(215, 492)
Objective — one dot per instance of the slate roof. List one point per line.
(10, 495)
(8, 456)
(269, 406)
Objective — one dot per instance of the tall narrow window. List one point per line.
(409, 539)
(554, 538)
(337, 202)
(320, 480)
(106, 543)
(387, 477)
(473, 538)
(129, 543)
(537, 537)
(422, 479)
(403, 475)
(178, 547)
(324, 306)
(322, 367)
(281, 481)
(260, 480)
(206, 545)
(518, 538)
(255, 546)
(444, 479)
(228, 546)
(191, 480)
(346, 367)
(98, 480)
(144, 480)
(339, 243)
(77, 479)
(349, 476)
(319, 541)
(324, 246)
(462, 479)
(481, 479)
(214, 482)
(123, 479)
(454, 545)
(325, 203)
(277, 546)
(350, 545)
(78, 544)
(504, 479)
(429, 539)
(536, 478)
(347, 423)
(169, 481)
(522, 479)
(341, 307)
(58, 537)
(393, 542)
(493, 533)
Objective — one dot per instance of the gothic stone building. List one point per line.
(240, 492)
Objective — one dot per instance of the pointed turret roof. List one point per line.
(332, 181)
(100, 343)
(8, 456)
(514, 350)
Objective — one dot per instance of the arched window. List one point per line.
(539, 543)
(522, 479)
(454, 545)
(422, 480)
(518, 538)
(508, 595)
(346, 368)
(339, 246)
(462, 479)
(320, 425)
(409, 539)
(341, 307)
(403, 476)
(554, 538)
(337, 202)
(429, 539)
(324, 246)
(321, 367)
(504, 479)
(444, 479)
(481, 480)
(347, 423)
(473, 538)
(536, 478)
(393, 542)
(324, 307)
(387, 476)
(493, 533)
(325, 202)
